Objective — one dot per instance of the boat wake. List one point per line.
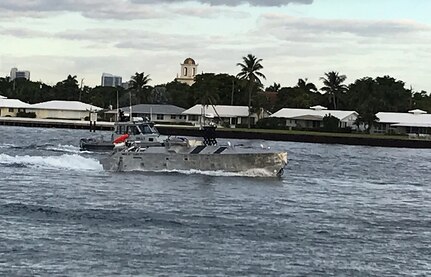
(65, 161)
(66, 149)
(49, 147)
(6, 145)
(258, 172)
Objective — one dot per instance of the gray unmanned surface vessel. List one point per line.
(182, 154)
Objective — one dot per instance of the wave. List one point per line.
(65, 161)
(30, 146)
(122, 216)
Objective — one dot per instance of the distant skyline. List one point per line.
(295, 38)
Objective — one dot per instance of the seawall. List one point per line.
(54, 123)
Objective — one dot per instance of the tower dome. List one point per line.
(188, 72)
(189, 61)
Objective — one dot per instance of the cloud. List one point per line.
(129, 9)
(262, 3)
(291, 47)
(98, 9)
(22, 33)
(313, 28)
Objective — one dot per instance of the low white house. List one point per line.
(159, 113)
(63, 110)
(313, 117)
(10, 107)
(231, 115)
(412, 122)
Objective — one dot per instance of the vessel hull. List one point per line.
(265, 164)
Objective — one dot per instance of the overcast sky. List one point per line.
(295, 38)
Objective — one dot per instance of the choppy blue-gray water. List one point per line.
(338, 210)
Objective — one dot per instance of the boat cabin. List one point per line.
(135, 127)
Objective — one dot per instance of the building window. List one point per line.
(193, 118)
(160, 117)
(185, 71)
(173, 116)
(194, 71)
(11, 110)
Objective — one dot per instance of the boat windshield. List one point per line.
(148, 129)
(133, 130)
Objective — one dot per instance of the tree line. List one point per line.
(366, 95)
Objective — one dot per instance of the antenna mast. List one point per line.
(118, 109)
(130, 109)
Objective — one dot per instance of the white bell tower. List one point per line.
(188, 72)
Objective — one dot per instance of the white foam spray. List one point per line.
(65, 148)
(65, 161)
(6, 145)
(218, 173)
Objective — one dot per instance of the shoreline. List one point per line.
(259, 134)
(276, 135)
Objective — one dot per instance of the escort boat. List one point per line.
(137, 129)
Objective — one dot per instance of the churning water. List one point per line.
(338, 210)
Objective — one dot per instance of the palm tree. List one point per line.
(274, 87)
(333, 86)
(307, 87)
(71, 81)
(207, 98)
(250, 72)
(138, 83)
(68, 89)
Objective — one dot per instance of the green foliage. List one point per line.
(330, 123)
(140, 88)
(275, 87)
(250, 71)
(334, 87)
(369, 96)
(421, 100)
(159, 95)
(25, 90)
(304, 95)
(67, 89)
(106, 97)
(179, 94)
(205, 89)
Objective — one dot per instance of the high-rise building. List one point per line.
(109, 80)
(188, 72)
(19, 74)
